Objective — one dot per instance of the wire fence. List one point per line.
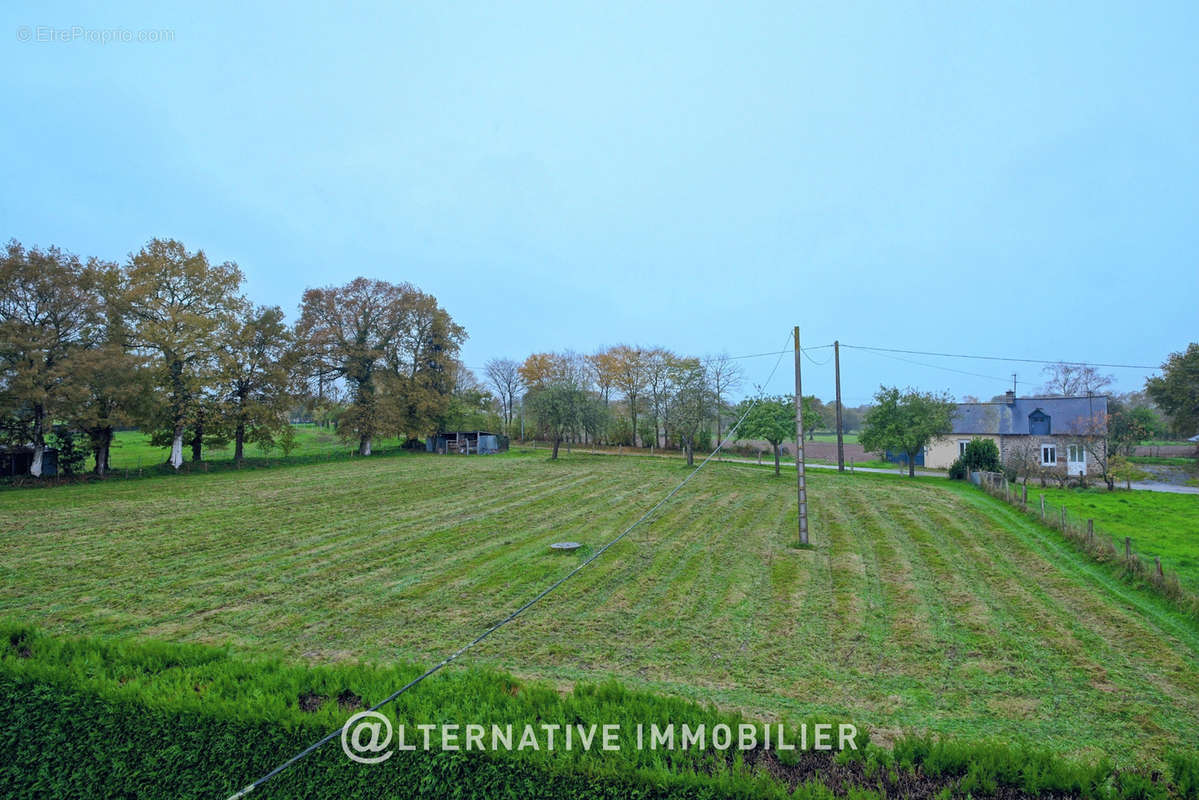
(1089, 537)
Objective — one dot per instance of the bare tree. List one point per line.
(1024, 457)
(726, 376)
(658, 363)
(1073, 380)
(692, 404)
(504, 375)
(1092, 434)
(628, 376)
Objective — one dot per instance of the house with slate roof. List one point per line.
(1063, 433)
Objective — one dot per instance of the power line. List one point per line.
(780, 352)
(938, 366)
(804, 350)
(1000, 358)
(478, 639)
(710, 359)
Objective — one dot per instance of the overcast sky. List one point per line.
(990, 178)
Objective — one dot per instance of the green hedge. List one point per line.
(99, 718)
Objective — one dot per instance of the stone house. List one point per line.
(1059, 434)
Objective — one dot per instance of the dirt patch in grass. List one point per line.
(310, 702)
(19, 644)
(348, 701)
(823, 767)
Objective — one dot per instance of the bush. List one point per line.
(957, 470)
(71, 452)
(981, 455)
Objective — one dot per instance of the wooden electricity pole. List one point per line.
(799, 459)
(840, 440)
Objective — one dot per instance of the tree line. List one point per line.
(167, 342)
(638, 396)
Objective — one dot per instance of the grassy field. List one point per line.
(132, 449)
(1159, 524)
(924, 605)
(831, 436)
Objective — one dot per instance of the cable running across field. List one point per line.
(938, 366)
(478, 639)
(999, 358)
(779, 353)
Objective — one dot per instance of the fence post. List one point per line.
(1157, 560)
(1042, 508)
(1063, 519)
(1090, 531)
(1128, 548)
(1007, 491)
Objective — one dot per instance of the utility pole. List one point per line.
(840, 440)
(799, 459)
(1013, 383)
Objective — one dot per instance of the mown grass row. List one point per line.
(922, 607)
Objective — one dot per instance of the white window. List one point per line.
(1048, 455)
(962, 446)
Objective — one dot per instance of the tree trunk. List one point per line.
(39, 440)
(555, 455)
(177, 447)
(690, 455)
(178, 405)
(239, 442)
(911, 465)
(101, 442)
(198, 442)
(776, 459)
(364, 445)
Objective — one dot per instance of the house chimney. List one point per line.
(1010, 395)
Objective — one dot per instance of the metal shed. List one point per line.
(467, 443)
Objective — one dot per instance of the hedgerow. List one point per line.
(86, 718)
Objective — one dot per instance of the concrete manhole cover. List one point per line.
(565, 546)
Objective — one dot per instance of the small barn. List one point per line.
(467, 443)
(16, 461)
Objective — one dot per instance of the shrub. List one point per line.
(71, 452)
(957, 470)
(982, 455)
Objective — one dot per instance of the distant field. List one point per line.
(1160, 524)
(831, 436)
(132, 449)
(924, 605)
